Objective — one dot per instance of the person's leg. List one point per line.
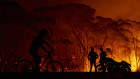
(37, 65)
(37, 62)
(90, 66)
(95, 66)
(101, 63)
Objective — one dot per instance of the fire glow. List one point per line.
(73, 28)
(133, 64)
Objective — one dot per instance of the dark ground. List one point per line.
(68, 75)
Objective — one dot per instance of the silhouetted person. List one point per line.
(102, 57)
(92, 57)
(36, 44)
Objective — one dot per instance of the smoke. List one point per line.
(17, 28)
(118, 37)
(29, 5)
(74, 29)
(125, 9)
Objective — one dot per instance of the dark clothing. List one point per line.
(91, 63)
(92, 57)
(37, 62)
(36, 44)
(34, 51)
(102, 57)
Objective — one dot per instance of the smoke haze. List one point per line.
(72, 28)
(126, 9)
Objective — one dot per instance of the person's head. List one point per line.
(43, 32)
(101, 49)
(92, 48)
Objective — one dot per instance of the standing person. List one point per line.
(92, 57)
(102, 57)
(36, 44)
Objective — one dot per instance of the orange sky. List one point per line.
(11, 26)
(126, 9)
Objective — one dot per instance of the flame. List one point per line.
(87, 66)
(133, 62)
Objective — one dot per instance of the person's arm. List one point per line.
(44, 48)
(89, 56)
(48, 45)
